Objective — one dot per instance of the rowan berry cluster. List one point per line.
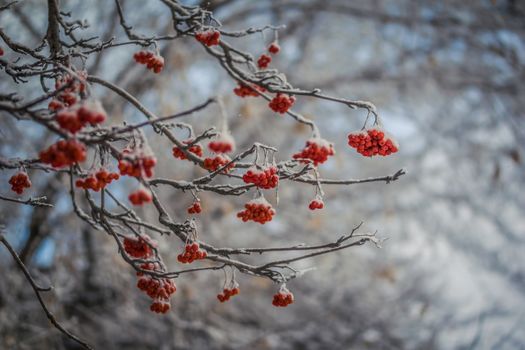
(64, 153)
(224, 143)
(274, 48)
(283, 298)
(218, 162)
(243, 90)
(70, 87)
(19, 182)
(227, 293)
(264, 61)
(372, 142)
(152, 61)
(140, 197)
(317, 150)
(141, 247)
(195, 208)
(209, 37)
(265, 178)
(258, 210)
(73, 120)
(281, 103)
(97, 181)
(316, 204)
(136, 164)
(191, 253)
(158, 289)
(195, 149)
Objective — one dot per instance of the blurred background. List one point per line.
(447, 78)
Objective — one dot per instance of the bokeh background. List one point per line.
(447, 77)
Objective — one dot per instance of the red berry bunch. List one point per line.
(217, 162)
(73, 120)
(274, 48)
(64, 153)
(195, 149)
(283, 298)
(223, 144)
(317, 150)
(191, 253)
(258, 210)
(281, 103)
(195, 208)
(209, 37)
(140, 196)
(97, 181)
(19, 182)
(136, 165)
(227, 293)
(265, 178)
(158, 289)
(152, 61)
(264, 61)
(244, 90)
(316, 204)
(372, 142)
(140, 247)
(71, 87)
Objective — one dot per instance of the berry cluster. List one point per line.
(71, 87)
(265, 178)
(64, 153)
(195, 208)
(274, 48)
(73, 120)
(244, 90)
(283, 298)
(316, 204)
(264, 61)
(140, 247)
(223, 144)
(97, 181)
(258, 210)
(281, 103)
(191, 253)
(158, 289)
(19, 182)
(136, 165)
(208, 37)
(317, 150)
(195, 149)
(140, 196)
(152, 61)
(217, 162)
(372, 142)
(227, 293)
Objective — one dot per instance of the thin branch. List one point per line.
(37, 291)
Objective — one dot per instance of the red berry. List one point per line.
(281, 103)
(208, 37)
(19, 182)
(265, 178)
(245, 91)
(152, 61)
(317, 150)
(372, 142)
(264, 61)
(274, 48)
(258, 210)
